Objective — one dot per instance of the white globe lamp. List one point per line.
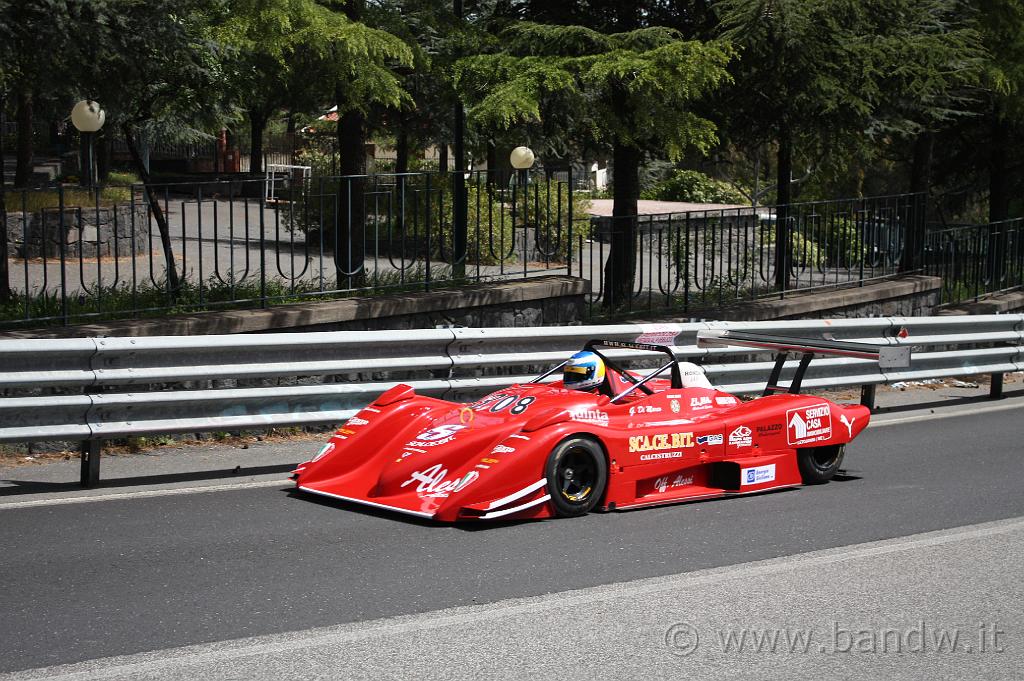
(522, 158)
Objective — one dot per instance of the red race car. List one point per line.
(602, 437)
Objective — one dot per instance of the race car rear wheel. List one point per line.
(819, 464)
(576, 472)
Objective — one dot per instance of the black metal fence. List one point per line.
(84, 254)
(975, 260)
(704, 260)
(78, 255)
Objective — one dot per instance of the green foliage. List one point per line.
(117, 301)
(121, 178)
(50, 199)
(695, 187)
(490, 236)
(634, 89)
(323, 163)
(835, 242)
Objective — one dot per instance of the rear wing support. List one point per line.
(887, 356)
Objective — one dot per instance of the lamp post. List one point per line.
(88, 118)
(522, 159)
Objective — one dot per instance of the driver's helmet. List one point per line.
(583, 371)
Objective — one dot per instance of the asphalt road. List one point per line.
(87, 580)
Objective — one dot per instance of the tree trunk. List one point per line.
(257, 126)
(5, 279)
(783, 197)
(173, 283)
(998, 187)
(349, 237)
(442, 161)
(920, 181)
(998, 198)
(621, 265)
(23, 150)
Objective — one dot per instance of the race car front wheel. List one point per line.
(576, 471)
(819, 464)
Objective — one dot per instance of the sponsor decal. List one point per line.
(662, 484)
(661, 455)
(809, 424)
(433, 482)
(670, 422)
(356, 421)
(598, 418)
(740, 437)
(700, 402)
(725, 401)
(757, 475)
(502, 449)
(674, 404)
(488, 460)
(773, 429)
(648, 443)
(848, 424)
(466, 415)
(490, 399)
(644, 409)
(324, 451)
(714, 439)
(691, 372)
(347, 431)
(436, 436)
(658, 334)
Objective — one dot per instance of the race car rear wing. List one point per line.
(887, 356)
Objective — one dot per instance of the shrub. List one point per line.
(694, 187)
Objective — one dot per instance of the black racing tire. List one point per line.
(577, 472)
(819, 464)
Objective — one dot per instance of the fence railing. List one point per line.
(975, 260)
(79, 255)
(103, 388)
(702, 260)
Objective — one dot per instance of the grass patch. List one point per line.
(49, 199)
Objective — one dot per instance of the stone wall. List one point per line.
(542, 301)
(84, 232)
(905, 296)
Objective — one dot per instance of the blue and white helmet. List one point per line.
(583, 371)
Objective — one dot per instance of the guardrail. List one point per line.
(121, 387)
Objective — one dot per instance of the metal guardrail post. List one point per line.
(995, 390)
(867, 396)
(90, 453)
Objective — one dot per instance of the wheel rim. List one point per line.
(577, 476)
(825, 457)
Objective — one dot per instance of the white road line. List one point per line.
(142, 494)
(336, 637)
(959, 411)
